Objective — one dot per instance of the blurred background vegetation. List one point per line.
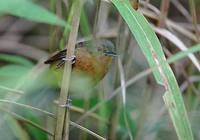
(32, 30)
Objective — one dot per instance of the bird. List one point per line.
(90, 63)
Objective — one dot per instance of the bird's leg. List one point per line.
(67, 104)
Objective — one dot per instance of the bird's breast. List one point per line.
(93, 65)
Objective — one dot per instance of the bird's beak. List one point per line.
(110, 53)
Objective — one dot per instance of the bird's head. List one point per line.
(107, 48)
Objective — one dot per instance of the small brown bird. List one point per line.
(89, 65)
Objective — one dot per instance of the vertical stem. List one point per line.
(102, 17)
(194, 19)
(83, 135)
(114, 117)
(53, 34)
(164, 12)
(95, 27)
(63, 114)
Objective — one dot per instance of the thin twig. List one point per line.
(169, 23)
(123, 91)
(191, 79)
(27, 121)
(181, 9)
(194, 18)
(93, 115)
(12, 90)
(86, 130)
(82, 111)
(164, 8)
(114, 115)
(28, 107)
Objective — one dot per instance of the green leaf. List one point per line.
(11, 75)
(14, 71)
(27, 9)
(152, 49)
(16, 128)
(15, 59)
(36, 133)
(125, 118)
(184, 53)
(142, 32)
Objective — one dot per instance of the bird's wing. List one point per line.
(56, 57)
(60, 55)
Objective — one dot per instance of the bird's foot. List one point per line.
(67, 104)
(72, 59)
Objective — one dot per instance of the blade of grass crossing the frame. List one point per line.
(178, 43)
(27, 9)
(152, 50)
(143, 33)
(184, 53)
(122, 81)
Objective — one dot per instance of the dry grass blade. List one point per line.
(182, 9)
(164, 12)
(194, 18)
(27, 121)
(123, 87)
(12, 90)
(175, 40)
(28, 107)
(122, 81)
(154, 14)
(87, 130)
(63, 119)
